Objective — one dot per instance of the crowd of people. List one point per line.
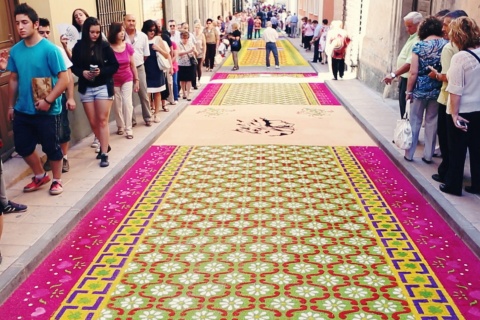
(439, 75)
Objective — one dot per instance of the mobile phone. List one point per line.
(93, 67)
(462, 123)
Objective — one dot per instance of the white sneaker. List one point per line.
(268, 67)
(277, 67)
(95, 143)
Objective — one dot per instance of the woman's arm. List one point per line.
(412, 79)
(133, 67)
(159, 46)
(111, 65)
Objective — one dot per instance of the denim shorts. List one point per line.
(30, 130)
(95, 93)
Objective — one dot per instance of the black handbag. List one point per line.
(193, 61)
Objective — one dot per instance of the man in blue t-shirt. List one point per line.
(38, 78)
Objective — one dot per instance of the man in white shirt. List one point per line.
(270, 36)
(174, 33)
(139, 41)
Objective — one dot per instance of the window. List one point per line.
(109, 11)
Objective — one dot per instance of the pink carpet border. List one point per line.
(453, 262)
(323, 94)
(40, 295)
(224, 75)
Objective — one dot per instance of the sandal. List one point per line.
(120, 132)
(129, 136)
(165, 108)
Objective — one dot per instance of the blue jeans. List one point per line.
(271, 47)
(175, 86)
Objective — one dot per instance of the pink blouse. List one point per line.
(124, 73)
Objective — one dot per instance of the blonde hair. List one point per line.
(235, 26)
(464, 33)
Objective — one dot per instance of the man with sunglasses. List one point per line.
(68, 101)
(174, 33)
(139, 42)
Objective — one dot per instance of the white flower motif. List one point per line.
(312, 212)
(279, 240)
(331, 219)
(374, 281)
(351, 226)
(199, 240)
(189, 278)
(260, 194)
(194, 257)
(295, 218)
(244, 199)
(296, 232)
(243, 211)
(356, 292)
(257, 315)
(214, 267)
(260, 217)
(309, 200)
(106, 314)
(327, 206)
(336, 233)
(310, 316)
(377, 250)
(257, 290)
(334, 305)
(384, 305)
(195, 205)
(306, 291)
(183, 232)
(303, 268)
(278, 224)
(225, 217)
(209, 290)
(258, 267)
(218, 247)
(347, 269)
(209, 211)
(346, 213)
(170, 267)
(294, 205)
(181, 303)
(279, 257)
(261, 184)
(365, 316)
(277, 211)
(340, 249)
(190, 217)
(357, 241)
(315, 225)
(132, 302)
(319, 241)
(300, 249)
(174, 212)
(239, 239)
(204, 315)
(212, 200)
(275, 189)
(260, 204)
(397, 292)
(152, 232)
(169, 225)
(120, 289)
(151, 315)
(162, 290)
(237, 257)
(205, 224)
(240, 224)
(142, 248)
(259, 231)
(222, 231)
(132, 267)
(259, 247)
(323, 258)
(228, 205)
(180, 200)
(178, 248)
(231, 303)
(282, 279)
(323, 195)
(386, 270)
(245, 189)
(231, 185)
(234, 278)
(143, 278)
(365, 259)
(282, 304)
(328, 280)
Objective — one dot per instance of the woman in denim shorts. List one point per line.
(94, 64)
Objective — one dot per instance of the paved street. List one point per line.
(265, 173)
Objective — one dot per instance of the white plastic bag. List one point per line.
(402, 135)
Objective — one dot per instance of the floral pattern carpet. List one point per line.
(256, 232)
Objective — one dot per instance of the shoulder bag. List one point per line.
(163, 63)
(193, 60)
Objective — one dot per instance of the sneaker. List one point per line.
(65, 166)
(99, 154)
(56, 188)
(47, 166)
(277, 67)
(268, 67)
(13, 207)
(104, 160)
(36, 183)
(95, 143)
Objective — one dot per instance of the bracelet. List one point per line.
(45, 99)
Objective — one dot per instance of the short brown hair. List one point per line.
(464, 33)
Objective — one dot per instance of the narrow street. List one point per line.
(264, 199)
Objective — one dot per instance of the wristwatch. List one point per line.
(393, 75)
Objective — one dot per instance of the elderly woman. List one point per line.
(423, 91)
(464, 127)
(186, 72)
(235, 44)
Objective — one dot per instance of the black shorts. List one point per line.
(30, 130)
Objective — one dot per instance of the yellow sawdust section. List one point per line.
(346, 161)
(265, 93)
(134, 224)
(253, 54)
(265, 76)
